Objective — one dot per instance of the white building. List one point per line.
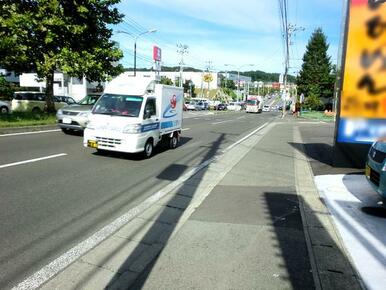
(63, 85)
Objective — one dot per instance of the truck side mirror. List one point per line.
(147, 114)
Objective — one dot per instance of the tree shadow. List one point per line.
(163, 225)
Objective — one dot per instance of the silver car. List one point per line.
(5, 108)
(75, 117)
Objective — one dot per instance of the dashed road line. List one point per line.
(32, 160)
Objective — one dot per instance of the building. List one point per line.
(63, 85)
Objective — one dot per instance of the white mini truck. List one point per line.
(134, 115)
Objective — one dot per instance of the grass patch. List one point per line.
(19, 119)
(316, 115)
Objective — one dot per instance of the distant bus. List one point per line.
(254, 104)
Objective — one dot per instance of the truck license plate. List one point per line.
(92, 144)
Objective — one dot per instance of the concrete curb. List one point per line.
(323, 240)
(27, 129)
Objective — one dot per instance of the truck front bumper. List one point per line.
(114, 141)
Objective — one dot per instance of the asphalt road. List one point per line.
(50, 205)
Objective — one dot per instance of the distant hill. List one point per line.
(255, 75)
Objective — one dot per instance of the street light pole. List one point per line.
(135, 44)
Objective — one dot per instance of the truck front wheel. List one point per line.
(148, 149)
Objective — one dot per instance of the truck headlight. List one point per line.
(384, 167)
(132, 129)
(90, 126)
(59, 112)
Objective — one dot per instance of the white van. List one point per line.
(133, 115)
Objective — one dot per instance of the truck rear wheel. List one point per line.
(148, 149)
(173, 141)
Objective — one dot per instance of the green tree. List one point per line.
(225, 83)
(66, 35)
(317, 76)
(189, 88)
(166, 81)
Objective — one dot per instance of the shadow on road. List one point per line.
(163, 225)
(284, 213)
(138, 156)
(322, 156)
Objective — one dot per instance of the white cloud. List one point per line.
(248, 14)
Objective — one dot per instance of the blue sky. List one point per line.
(225, 31)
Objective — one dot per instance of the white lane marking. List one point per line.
(220, 122)
(242, 117)
(185, 129)
(32, 160)
(246, 137)
(27, 133)
(47, 272)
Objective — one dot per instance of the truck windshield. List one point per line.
(252, 102)
(118, 105)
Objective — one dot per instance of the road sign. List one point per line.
(157, 53)
(363, 96)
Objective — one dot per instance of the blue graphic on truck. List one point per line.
(170, 110)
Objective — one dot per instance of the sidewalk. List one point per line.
(256, 230)
(251, 223)
(247, 234)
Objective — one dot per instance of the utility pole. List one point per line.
(182, 49)
(208, 69)
(290, 29)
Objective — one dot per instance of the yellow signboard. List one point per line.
(364, 84)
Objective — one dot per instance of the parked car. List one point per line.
(221, 107)
(376, 168)
(233, 106)
(190, 106)
(75, 117)
(65, 99)
(201, 106)
(266, 108)
(32, 102)
(5, 108)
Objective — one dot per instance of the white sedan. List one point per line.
(266, 108)
(190, 106)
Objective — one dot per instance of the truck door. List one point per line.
(151, 120)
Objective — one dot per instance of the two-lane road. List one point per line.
(55, 193)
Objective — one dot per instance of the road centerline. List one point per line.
(32, 160)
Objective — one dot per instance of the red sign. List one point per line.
(156, 53)
(276, 85)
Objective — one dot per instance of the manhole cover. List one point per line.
(375, 211)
